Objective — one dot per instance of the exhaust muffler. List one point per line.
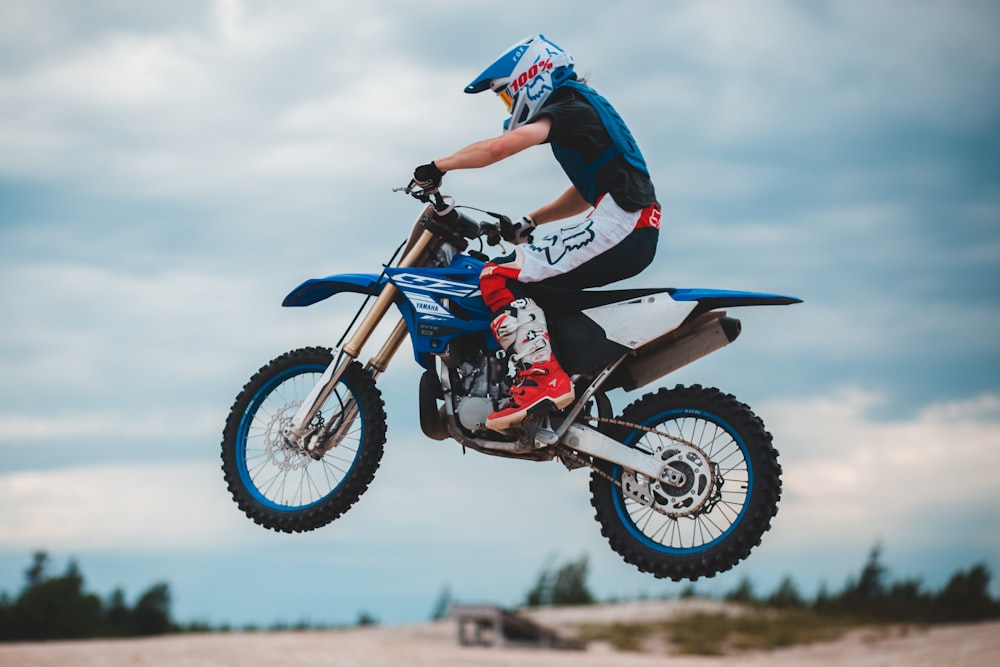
(702, 336)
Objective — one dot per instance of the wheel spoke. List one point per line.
(726, 483)
(289, 477)
(287, 486)
(719, 515)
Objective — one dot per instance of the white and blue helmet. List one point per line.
(524, 77)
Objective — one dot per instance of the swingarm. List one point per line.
(588, 440)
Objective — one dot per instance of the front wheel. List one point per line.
(727, 483)
(286, 487)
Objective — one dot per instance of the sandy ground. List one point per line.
(435, 645)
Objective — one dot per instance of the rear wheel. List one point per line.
(281, 485)
(727, 483)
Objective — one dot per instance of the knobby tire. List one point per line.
(281, 487)
(719, 535)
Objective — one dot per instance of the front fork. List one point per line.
(315, 440)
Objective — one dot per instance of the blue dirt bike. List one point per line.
(684, 481)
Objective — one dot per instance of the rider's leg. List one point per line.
(541, 382)
(609, 245)
(520, 328)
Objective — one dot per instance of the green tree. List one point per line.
(742, 593)
(35, 574)
(60, 608)
(567, 585)
(871, 583)
(365, 619)
(540, 594)
(151, 615)
(54, 607)
(966, 597)
(442, 605)
(6, 617)
(570, 584)
(786, 595)
(117, 615)
(905, 601)
(865, 595)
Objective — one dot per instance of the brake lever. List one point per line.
(414, 191)
(491, 231)
(501, 221)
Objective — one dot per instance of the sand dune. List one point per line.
(435, 645)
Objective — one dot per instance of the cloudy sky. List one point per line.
(169, 170)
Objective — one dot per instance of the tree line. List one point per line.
(59, 607)
(869, 595)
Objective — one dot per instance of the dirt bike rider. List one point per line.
(549, 104)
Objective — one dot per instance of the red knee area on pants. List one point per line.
(493, 285)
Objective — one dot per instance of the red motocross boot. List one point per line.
(539, 386)
(541, 382)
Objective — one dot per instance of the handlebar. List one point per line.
(450, 223)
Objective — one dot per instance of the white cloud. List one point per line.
(424, 494)
(847, 476)
(850, 476)
(87, 327)
(804, 79)
(86, 331)
(22, 430)
(131, 507)
(229, 15)
(265, 105)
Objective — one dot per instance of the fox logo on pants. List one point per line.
(569, 238)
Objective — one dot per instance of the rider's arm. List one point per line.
(568, 204)
(490, 151)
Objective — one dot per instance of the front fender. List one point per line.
(315, 290)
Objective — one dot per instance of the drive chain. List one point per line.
(567, 453)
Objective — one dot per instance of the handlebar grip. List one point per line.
(491, 231)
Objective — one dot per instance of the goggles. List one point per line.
(506, 98)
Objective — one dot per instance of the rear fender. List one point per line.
(711, 299)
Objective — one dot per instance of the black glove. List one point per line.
(427, 177)
(517, 232)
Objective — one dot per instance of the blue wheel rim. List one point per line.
(246, 476)
(619, 500)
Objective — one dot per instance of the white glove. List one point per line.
(518, 232)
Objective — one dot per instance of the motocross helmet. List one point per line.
(524, 77)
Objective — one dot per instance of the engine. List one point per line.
(478, 381)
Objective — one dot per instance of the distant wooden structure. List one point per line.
(487, 625)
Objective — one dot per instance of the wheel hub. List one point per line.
(685, 485)
(280, 451)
